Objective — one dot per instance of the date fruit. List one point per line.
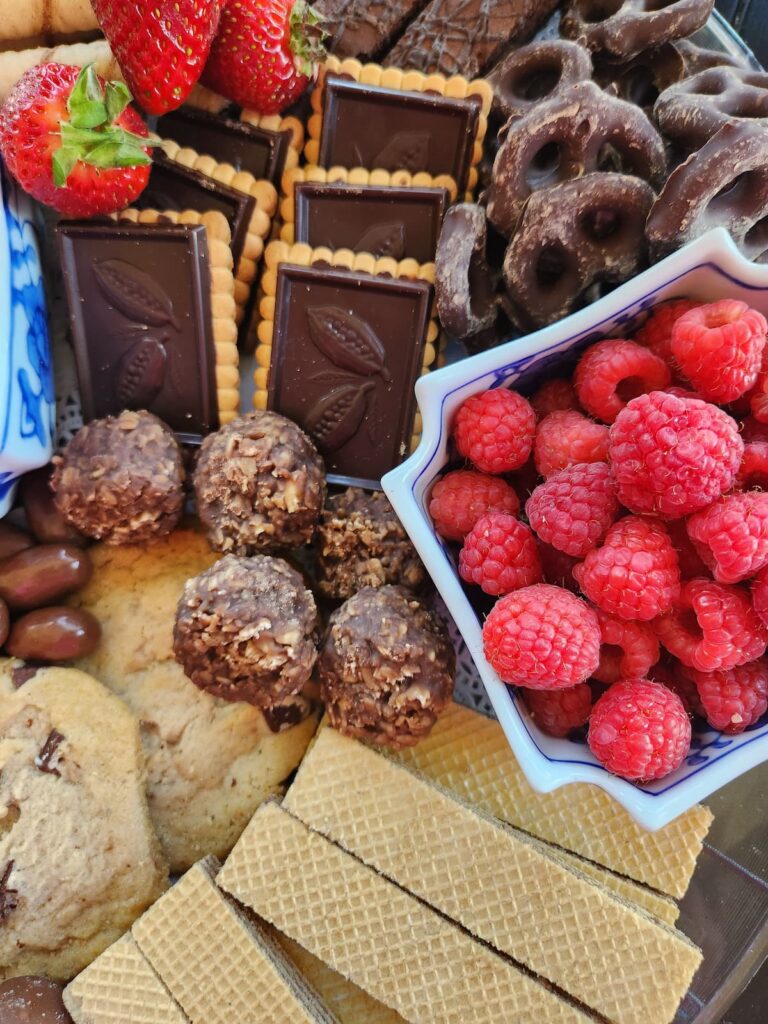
(57, 633)
(12, 540)
(40, 575)
(43, 518)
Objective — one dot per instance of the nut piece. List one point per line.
(121, 479)
(363, 544)
(260, 485)
(245, 630)
(386, 667)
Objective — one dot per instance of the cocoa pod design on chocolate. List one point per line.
(405, 151)
(386, 239)
(347, 341)
(141, 375)
(336, 417)
(134, 293)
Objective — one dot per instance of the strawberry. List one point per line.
(161, 46)
(73, 142)
(265, 53)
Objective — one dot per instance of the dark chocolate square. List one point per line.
(397, 222)
(355, 400)
(368, 126)
(140, 313)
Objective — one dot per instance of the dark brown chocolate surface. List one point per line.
(367, 126)
(245, 146)
(396, 222)
(346, 351)
(140, 312)
(365, 28)
(31, 1000)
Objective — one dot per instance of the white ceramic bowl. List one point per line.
(708, 269)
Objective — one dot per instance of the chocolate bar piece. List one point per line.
(346, 351)
(248, 148)
(396, 222)
(464, 37)
(368, 126)
(365, 28)
(140, 312)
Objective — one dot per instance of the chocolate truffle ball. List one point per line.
(121, 479)
(386, 667)
(260, 485)
(29, 1000)
(245, 630)
(361, 543)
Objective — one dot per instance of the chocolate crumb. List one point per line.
(21, 674)
(50, 754)
(9, 898)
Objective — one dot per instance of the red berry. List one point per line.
(573, 508)
(753, 471)
(753, 430)
(559, 712)
(494, 430)
(500, 555)
(612, 372)
(760, 595)
(732, 535)
(564, 438)
(543, 638)
(554, 396)
(677, 678)
(656, 332)
(735, 698)
(460, 498)
(635, 574)
(758, 397)
(558, 567)
(673, 456)
(689, 559)
(628, 649)
(712, 627)
(639, 730)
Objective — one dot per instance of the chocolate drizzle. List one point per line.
(9, 898)
(50, 755)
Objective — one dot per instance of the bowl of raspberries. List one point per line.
(592, 504)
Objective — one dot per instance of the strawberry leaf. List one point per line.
(117, 98)
(114, 153)
(307, 37)
(86, 105)
(63, 161)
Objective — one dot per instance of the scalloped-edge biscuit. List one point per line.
(279, 123)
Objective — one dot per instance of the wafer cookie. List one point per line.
(120, 987)
(383, 939)
(46, 19)
(248, 980)
(468, 754)
(279, 123)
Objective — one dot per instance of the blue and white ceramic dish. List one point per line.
(708, 269)
(27, 406)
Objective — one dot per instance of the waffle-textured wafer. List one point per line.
(222, 296)
(120, 987)
(357, 176)
(377, 935)
(468, 754)
(279, 123)
(217, 962)
(610, 956)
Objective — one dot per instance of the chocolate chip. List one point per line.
(9, 898)
(50, 754)
(21, 674)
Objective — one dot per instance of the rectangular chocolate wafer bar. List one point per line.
(365, 28)
(377, 935)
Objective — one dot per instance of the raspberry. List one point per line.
(712, 627)
(758, 398)
(559, 712)
(628, 650)
(735, 698)
(461, 497)
(689, 559)
(677, 678)
(554, 396)
(656, 332)
(500, 555)
(639, 730)
(612, 372)
(573, 509)
(494, 430)
(526, 478)
(753, 471)
(558, 567)
(719, 348)
(564, 438)
(673, 456)
(760, 595)
(732, 535)
(635, 574)
(753, 430)
(542, 637)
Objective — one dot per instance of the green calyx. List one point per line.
(307, 37)
(92, 135)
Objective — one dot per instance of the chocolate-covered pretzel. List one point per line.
(573, 236)
(536, 72)
(691, 111)
(580, 131)
(641, 79)
(464, 287)
(724, 184)
(699, 58)
(629, 27)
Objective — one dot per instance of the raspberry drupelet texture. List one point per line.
(628, 649)
(639, 730)
(635, 574)
(565, 438)
(733, 699)
(558, 567)
(460, 498)
(612, 372)
(500, 555)
(656, 332)
(677, 678)
(719, 348)
(573, 509)
(753, 471)
(554, 396)
(543, 638)
(672, 456)
(559, 712)
(731, 535)
(495, 430)
(713, 626)
(760, 595)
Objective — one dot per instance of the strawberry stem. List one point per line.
(307, 37)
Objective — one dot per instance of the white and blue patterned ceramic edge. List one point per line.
(27, 404)
(707, 269)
